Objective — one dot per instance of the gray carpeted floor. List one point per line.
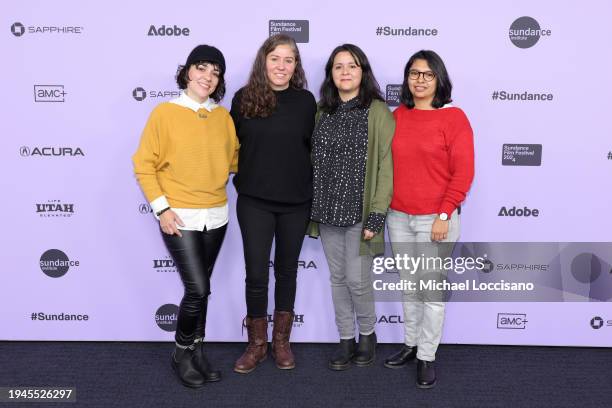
(139, 375)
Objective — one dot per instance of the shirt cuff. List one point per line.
(375, 222)
(159, 204)
(447, 208)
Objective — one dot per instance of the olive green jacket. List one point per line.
(379, 174)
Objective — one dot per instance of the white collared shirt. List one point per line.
(195, 219)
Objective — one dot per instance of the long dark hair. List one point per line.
(444, 86)
(368, 89)
(258, 99)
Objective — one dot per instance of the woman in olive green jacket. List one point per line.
(353, 186)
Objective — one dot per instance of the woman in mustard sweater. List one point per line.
(187, 150)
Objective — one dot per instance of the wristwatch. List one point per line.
(162, 211)
(443, 216)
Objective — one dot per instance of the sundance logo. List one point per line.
(55, 263)
(393, 94)
(19, 29)
(511, 321)
(26, 151)
(520, 212)
(140, 94)
(163, 31)
(525, 32)
(296, 29)
(55, 208)
(49, 93)
(521, 154)
(166, 317)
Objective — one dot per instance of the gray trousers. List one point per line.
(423, 312)
(351, 279)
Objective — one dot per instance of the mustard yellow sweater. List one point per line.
(187, 156)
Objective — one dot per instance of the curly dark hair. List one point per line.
(182, 78)
(258, 98)
(368, 88)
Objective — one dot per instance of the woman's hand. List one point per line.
(368, 235)
(439, 230)
(168, 222)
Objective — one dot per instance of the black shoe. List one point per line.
(203, 366)
(402, 357)
(183, 363)
(426, 374)
(366, 351)
(341, 359)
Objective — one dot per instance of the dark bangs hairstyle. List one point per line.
(182, 78)
(368, 89)
(258, 98)
(444, 87)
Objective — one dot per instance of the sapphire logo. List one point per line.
(511, 320)
(17, 29)
(139, 94)
(166, 317)
(597, 322)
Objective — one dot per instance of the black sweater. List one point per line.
(274, 160)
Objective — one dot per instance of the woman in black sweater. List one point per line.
(274, 118)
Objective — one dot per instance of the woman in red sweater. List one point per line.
(433, 168)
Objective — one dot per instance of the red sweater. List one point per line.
(433, 160)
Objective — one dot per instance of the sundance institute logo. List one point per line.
(166, 317)
(55, 263)
(525, 32)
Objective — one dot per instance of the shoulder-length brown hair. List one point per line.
(258, 99)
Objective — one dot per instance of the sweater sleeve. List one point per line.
(146, 160)
(460, 142)
(235, 145)
(384, 128)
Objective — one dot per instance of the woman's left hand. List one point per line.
(368, 235)
(439, 230)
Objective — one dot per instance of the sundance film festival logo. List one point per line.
(164, 265)
(163, 31)
(145, 208)
(55, 263)
(166, 317)
(49, 93)
(525, 32)
(297, 29)
(521, 154)
(55, 208)
(18, 29)
(140, 94)
(512, 321)
(393, 94)
(48, 151)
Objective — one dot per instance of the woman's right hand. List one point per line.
(168, 221)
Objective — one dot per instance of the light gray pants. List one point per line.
(351, 279)
(423, 319)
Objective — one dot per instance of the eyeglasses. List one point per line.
(428, 76)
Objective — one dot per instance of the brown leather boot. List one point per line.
(257, 349)
(281, 350)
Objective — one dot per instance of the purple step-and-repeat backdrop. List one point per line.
(81, 79)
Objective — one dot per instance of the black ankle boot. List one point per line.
(183, 363)
(426, 374)
(402, 357)
(341, 359)
(202, 364)
(366, 351)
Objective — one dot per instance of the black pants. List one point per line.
(194, 255)
(259, 225)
